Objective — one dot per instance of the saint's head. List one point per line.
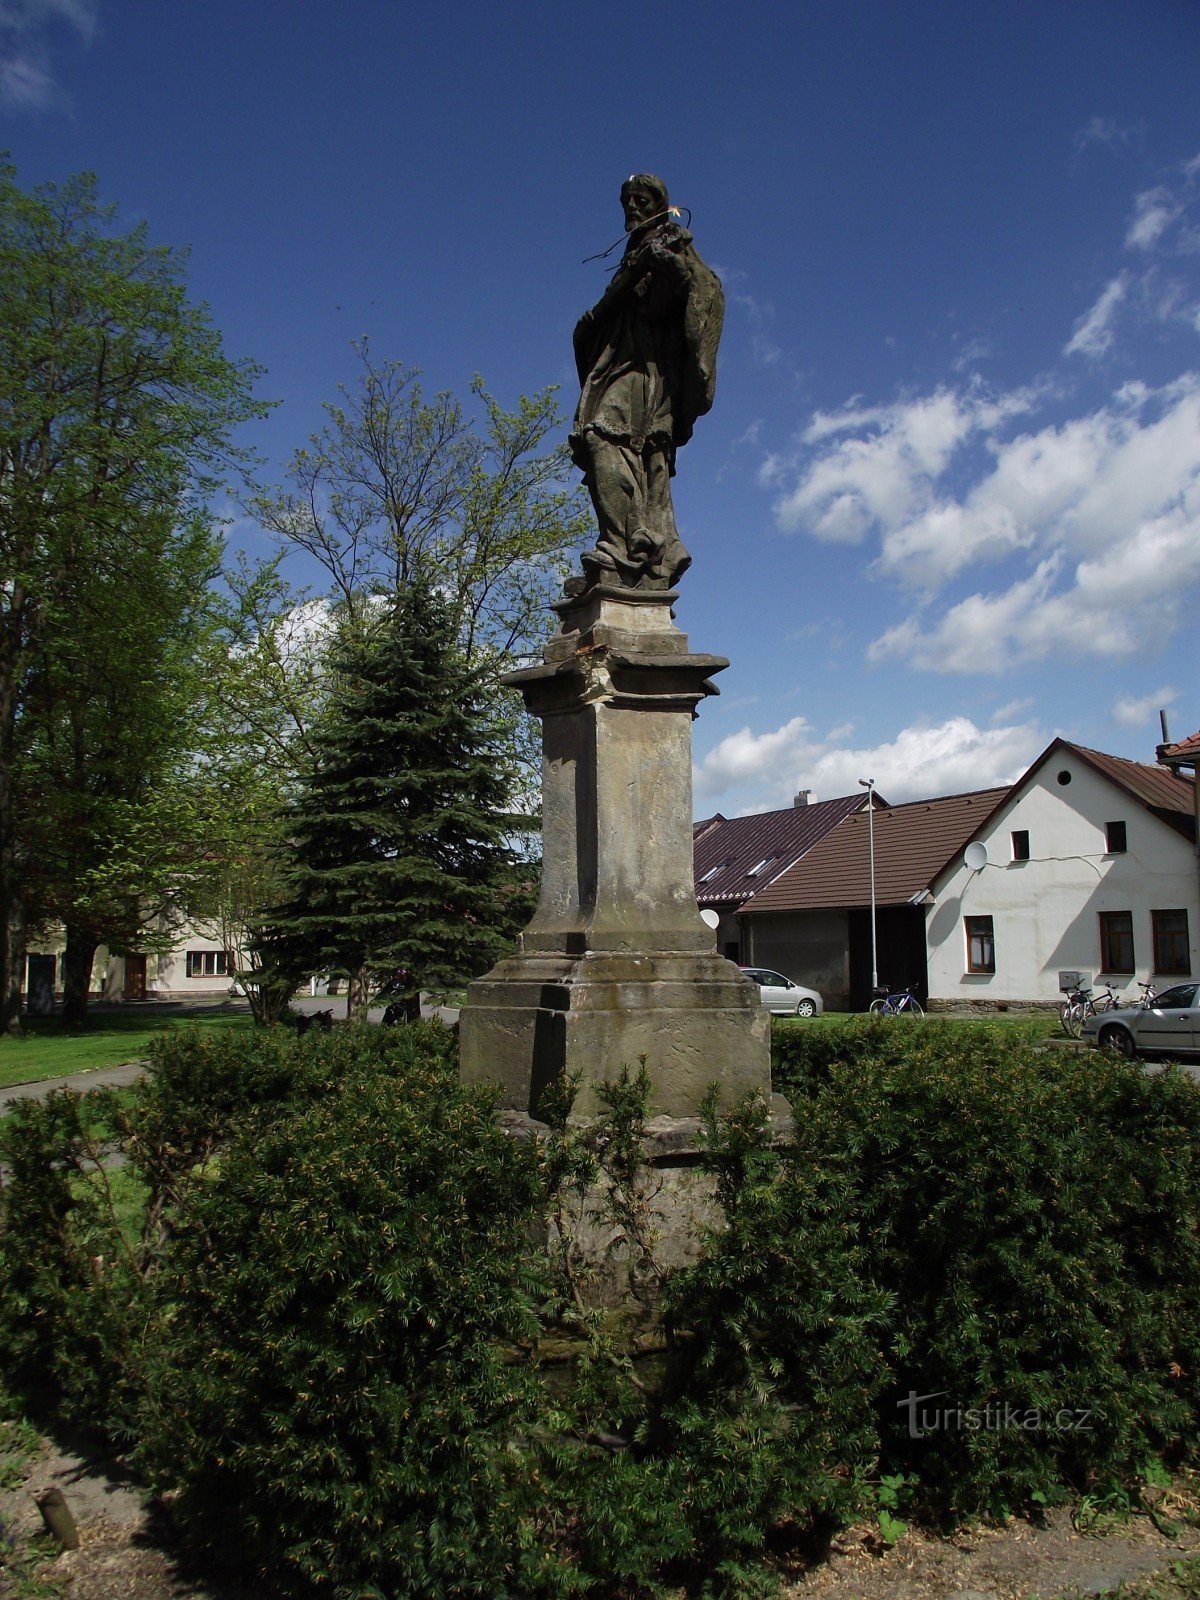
(644, 198)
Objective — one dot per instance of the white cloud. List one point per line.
(868, 467)
(1110, 604)
(1105, 131)
(1154, 211)
(1093, 332)
(25, 85)
(1077, 536)
(1135, 712)
(26, 81)
(758, 772)
(1013, 708)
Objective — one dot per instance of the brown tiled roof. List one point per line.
(733, 849)
(911, 843)
(1182, 750)
(1169, 795)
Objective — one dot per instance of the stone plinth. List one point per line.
(617, 963)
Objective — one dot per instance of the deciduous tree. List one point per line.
(117, 406)
(397, 487)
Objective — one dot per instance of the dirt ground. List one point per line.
(123, 1557)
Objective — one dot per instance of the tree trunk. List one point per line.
(12, 962)
(358, 995)
(77, 973)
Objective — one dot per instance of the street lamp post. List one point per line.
(869, 785)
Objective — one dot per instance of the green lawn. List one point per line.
(48, 1050)
(1016, 1024)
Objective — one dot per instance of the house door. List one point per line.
(135, 978)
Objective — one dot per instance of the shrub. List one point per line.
(340, 1381)
(1034, 1219)
(72, 1313)
(326, 1333)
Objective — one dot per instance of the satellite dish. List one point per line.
(709, 918)
(975, 856)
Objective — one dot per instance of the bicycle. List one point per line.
(1080, 1004)
(903, 1003)
(1148, 995)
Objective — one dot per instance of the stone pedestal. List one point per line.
(617, 963)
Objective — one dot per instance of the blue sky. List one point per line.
(947, 504)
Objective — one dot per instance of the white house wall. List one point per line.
(1045, 910)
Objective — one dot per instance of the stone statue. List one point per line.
(647, 360)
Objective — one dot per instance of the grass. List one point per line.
(48, 1050)
(1013, 1024)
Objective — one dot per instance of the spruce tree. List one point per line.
(395, 863)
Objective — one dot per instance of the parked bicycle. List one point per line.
(902, 1003)
(1081, 1004)
(1148, 995)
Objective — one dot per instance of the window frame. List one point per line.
(1020, 844)
(980, 967)
(1115, 831)
(1179, 936)
(1111, 938)
(196, 963)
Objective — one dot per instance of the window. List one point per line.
(1064, 777)
(1116, 941)
(207, 964)
(1181, 998)
(981, 945)
(1020, 844)
(713, 872)
(761, 867)
(1114, 838)
(1172, 951)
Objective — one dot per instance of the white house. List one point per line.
(193, 967)
(1088, 864)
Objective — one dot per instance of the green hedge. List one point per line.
(326, 1335)
(1035, 1217)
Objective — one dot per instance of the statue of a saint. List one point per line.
(647, 360)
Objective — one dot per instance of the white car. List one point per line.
(782, 996)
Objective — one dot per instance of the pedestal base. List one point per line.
(538, 1017)
(672, 1196)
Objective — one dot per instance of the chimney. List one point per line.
(802, 798)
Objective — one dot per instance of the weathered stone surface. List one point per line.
(691, 1014)
(646, 354)
(674, 1198)
(616, 963)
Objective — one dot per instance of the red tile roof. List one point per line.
(1167, 794)
(912, 842)
(727, 853)
(1182, 750)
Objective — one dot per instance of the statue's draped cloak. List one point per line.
(646, 353)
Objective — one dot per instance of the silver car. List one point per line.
(1171, 1024)
(781, 995)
